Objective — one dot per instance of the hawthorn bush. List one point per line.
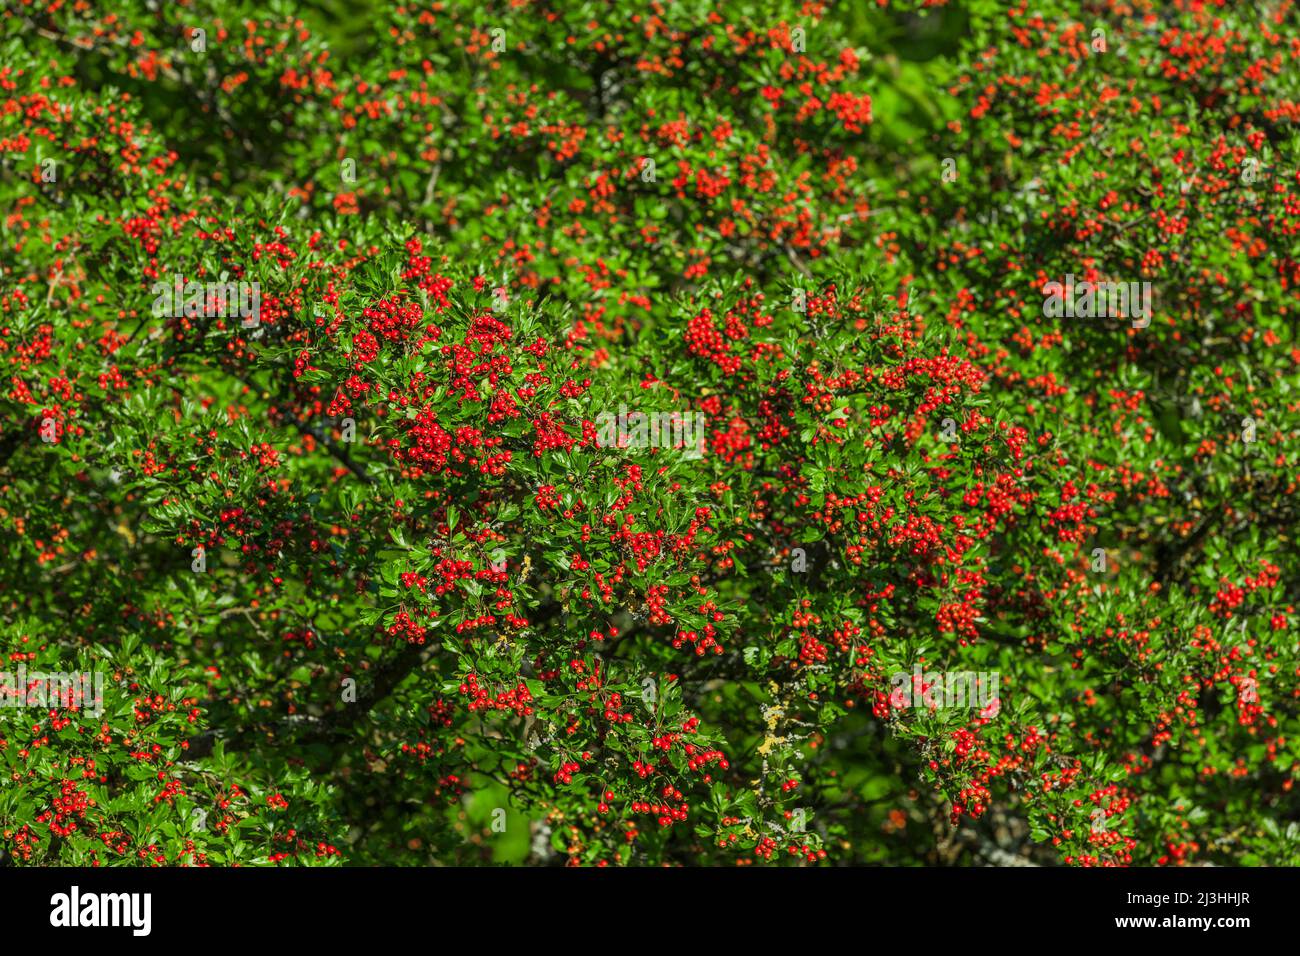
(366, 580)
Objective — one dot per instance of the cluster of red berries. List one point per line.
(665, 813)
(516, 700)
(566, 771)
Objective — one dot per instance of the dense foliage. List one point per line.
(365, 578)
